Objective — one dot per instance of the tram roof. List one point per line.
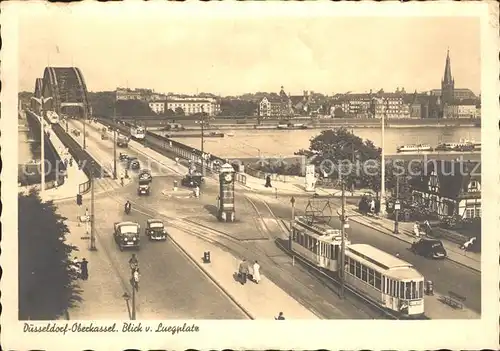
(377, 257)
(322, 230)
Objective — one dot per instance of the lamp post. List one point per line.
(256, 148)
(127, 298)
(382, 181)
(397, 206)
(290, 238)
(92, 212)
(202, 122)
(42, 102)
(114, 143)
(344, 224)
(84, 131)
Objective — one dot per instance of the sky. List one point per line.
(231, 56)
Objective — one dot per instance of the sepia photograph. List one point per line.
(184, 168)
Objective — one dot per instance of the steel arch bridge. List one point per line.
(68, 90)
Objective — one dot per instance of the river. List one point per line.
(283, 143)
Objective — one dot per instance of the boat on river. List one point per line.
(414, 148)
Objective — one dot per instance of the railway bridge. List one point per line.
(68, 90)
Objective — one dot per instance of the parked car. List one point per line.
(123, 157)
(431, 248)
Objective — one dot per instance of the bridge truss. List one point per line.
(68, 90)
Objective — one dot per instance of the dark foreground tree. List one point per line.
(47, 286)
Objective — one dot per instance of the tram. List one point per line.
(52, 117)
(138, 133)
(387, 281)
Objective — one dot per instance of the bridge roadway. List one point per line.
(311, 293)
(445, 274)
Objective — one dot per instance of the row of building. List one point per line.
(161, 103)
(446, 102)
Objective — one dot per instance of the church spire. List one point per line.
(447, 78)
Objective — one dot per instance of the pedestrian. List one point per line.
(256, 272)
(84, 269)
(268, 181)
(176, 160)
(121, 180)
(56, 184)
(280, 317)
(75, 266)
(71, 161)
(197, 191)
(416, 229)
(243, 272)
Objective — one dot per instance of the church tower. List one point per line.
(448, 83)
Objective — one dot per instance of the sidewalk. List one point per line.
(102, 293)
(386, 226)
(262, 301)
(74, 178)
(436, 309)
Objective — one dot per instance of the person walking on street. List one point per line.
(243, 272)
(280, 317)
(84, 268)
(416, 229)
(256, 272)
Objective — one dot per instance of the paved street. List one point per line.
(171, 287)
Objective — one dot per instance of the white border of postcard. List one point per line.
(472, 334)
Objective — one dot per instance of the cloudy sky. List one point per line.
(225, 55)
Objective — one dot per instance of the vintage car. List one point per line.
(192, 180)
(122, 141)
(144, 187)
(127, 234)
(155, 230)
(145, 174)
(133, 163)
(123, 157)
(431, 248)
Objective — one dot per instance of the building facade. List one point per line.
(138, 94)
(276, 105)
(189, 105)
(449, 188)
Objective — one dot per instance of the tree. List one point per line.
(133, 108)
(47, 286)
(179, 111)
(338, 113)
(169, 113)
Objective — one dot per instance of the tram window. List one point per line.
(420, 290)
(332, 252)
(414, 292)
(364, 275)
(357, 266)
(371, 279)
(394, 289)
(294, 235)
(324, 250)
(378, 281)
(336, 251)
(351, 266)
(402, 290)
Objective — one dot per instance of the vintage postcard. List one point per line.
(250, 175)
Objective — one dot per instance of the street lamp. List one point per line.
(256, 148)
(382, 181)
(42, 102)
(92, 216)
(397, 207)
(114, 142)
(126, 297)
(292, 201)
